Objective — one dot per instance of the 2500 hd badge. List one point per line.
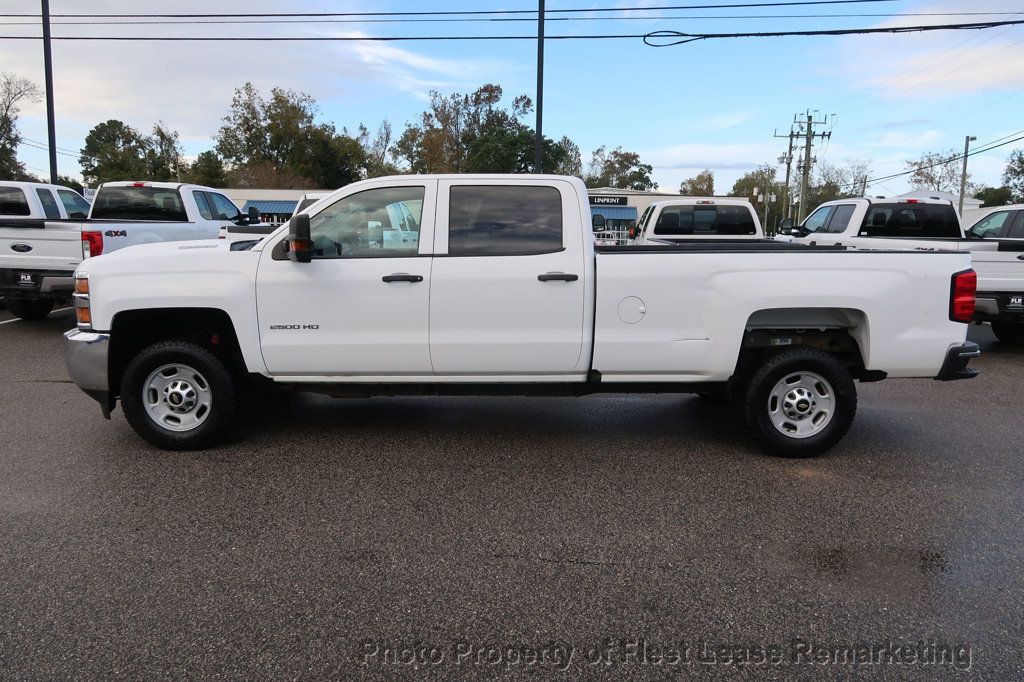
(294, 326)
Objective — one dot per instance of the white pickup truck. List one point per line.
(927, 225)
(38, 256)
(504, 292)
(691, 218)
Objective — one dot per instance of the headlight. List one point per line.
(83, 310)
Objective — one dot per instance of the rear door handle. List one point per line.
(557, 277)
(402, 277)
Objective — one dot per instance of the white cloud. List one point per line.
(730, 120)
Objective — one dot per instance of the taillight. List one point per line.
(92, 244)
(961, 298)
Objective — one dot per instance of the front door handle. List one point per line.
(402, 277)
(557, 277)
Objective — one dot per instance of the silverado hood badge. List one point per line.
(21, 247)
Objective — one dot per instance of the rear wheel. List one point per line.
(28, 309)
(178, 395)
(800, 403)
(1009, 332)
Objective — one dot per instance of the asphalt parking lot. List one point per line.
(369, 537)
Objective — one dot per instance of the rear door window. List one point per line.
(13, 202)
(74, 204)
(840, 219)
(139, 203)
(910, 221)
(203, 205)
(50, 208)
(491, 220)
(993, 226)
(1017, 229)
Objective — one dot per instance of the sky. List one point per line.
(712, 104)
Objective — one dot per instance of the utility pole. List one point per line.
(788, 160)
(51, 130)
(538, 145)
(963, 176)
(809, 135)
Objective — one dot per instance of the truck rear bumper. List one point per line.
(35, 283)
(955, 366)
(997, 307)
(86, 358)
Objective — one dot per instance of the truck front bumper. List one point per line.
(86, 357)
(955, 366)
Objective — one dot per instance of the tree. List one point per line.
(764, 181)
(619, 169)
(572, 160)
(994, 196)
(938, 171)
(700, 185)
(207, 169)
(14, 90)
(379, 150)
(1013, 176)
(831, 182)
(114, 150)
(281, 133)
(164, 154)
(68, 181)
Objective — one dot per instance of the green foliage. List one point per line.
(68, 181)
(619, 169)
(1013, 176)
(208, 169)
(700, 185)
(994, 196)
(278, 140)
(14, 90)
(114, 150)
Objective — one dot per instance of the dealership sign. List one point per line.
(599, 200)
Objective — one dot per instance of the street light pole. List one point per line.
(963, 176)
(538, 145)
(51, 130)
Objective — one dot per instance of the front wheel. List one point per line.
(27, 309)
(1009, 332)
(178, 396)
(800, 403)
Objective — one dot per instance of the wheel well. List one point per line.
(133, 330)
(841, 332)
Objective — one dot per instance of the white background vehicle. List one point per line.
(35, 260)
(689, 218)
(503, 292)
(933, 225)
(38, 257)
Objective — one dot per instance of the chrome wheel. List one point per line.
(801, 404)
(177, 397)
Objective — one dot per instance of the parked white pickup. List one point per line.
(504, 292)
(39, 255)
(689, 218)
(933, 225)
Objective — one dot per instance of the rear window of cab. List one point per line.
(705, 220)
(906, 220)
(139, 203)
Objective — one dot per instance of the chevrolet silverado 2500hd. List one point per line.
(503, 292)
(932, 225)
(122, 214)
(691, 218)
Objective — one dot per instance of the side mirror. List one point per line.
(632, 232)
(786, 225)
(299, 244)
(254, 215)
(598, 222)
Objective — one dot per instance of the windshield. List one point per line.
(139, 203)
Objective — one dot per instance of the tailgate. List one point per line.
(40, 245)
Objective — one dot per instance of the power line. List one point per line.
(674, 37)
(980, 150)
(576, 10)
(217, 22)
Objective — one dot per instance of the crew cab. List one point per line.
(690, 218)
(38, 255)
(933, 225)
(503, 292)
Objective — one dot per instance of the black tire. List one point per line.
(28, 309)
(1011, 333)
(221, 384)
(757, 409)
